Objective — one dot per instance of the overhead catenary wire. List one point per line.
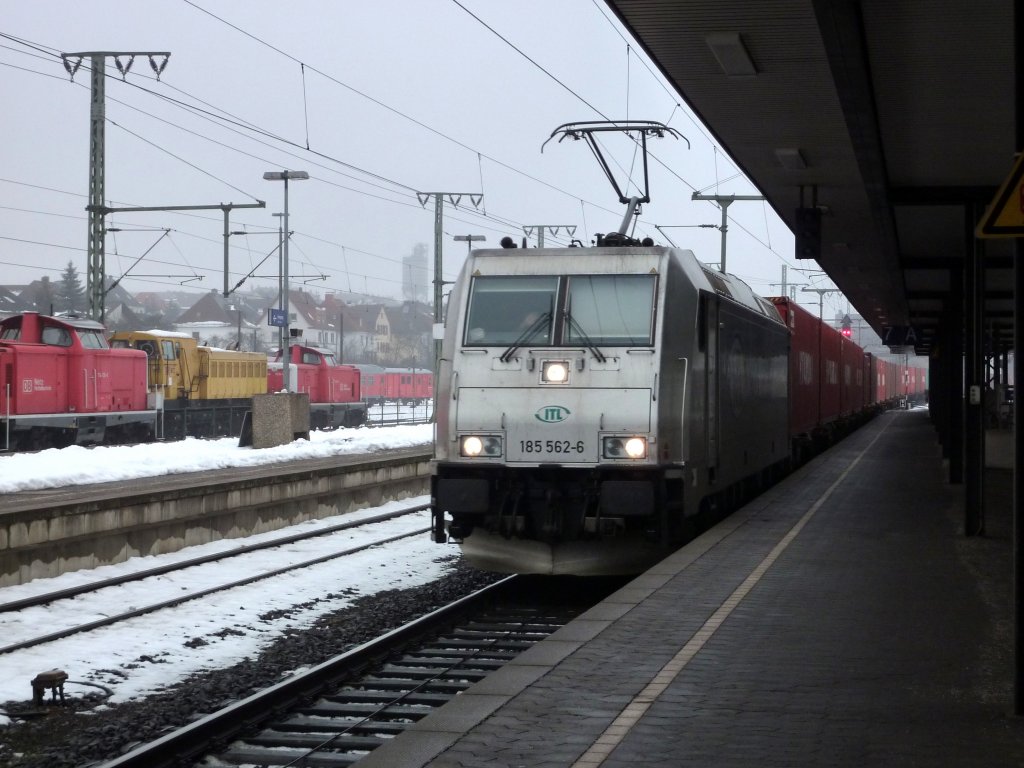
(278, 138)
(469, 214)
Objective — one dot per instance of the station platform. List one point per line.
(840, 619)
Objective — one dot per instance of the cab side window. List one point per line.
(56, 337)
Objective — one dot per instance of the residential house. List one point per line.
(38, 296)
(410, 339)
(219, 322)
(366, 332)
(307, 322)
(121, 317)
(8, 301)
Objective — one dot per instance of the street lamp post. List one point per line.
(289, 370)
(280, 273)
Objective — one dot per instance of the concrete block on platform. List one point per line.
(279, 418)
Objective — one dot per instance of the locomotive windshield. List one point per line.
(610, 310)
(91, 339)
(502, 309)
(605, 310)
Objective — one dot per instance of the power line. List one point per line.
(387, 107)
(193, 166)
(239, 126)
(249, 126)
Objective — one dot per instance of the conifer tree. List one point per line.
(70, 295)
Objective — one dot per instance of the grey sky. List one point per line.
(418, 93)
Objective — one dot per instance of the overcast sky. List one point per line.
(391, 97)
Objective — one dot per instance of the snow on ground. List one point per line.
(143, 655)
(75, 465)
(111, 656)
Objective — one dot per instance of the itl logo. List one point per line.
(552, 414)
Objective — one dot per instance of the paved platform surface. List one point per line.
(841, 619)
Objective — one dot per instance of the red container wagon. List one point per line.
(804, 415)
(885, 379)
(867, 394)
(831, 364)
(893, 383)
(918, 385)
(335, 392)
(828, 380)
(877, 381)
(852, 381)
(61, 384)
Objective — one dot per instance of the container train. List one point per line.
(63, 383)
(597, 405)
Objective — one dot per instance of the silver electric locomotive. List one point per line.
(592, 401)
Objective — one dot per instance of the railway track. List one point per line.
(183, 565)
(333, 714)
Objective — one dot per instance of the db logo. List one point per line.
(26, 386)
(552, 414)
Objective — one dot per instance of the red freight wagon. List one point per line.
(852, 381)
(803, 367)
(878, 371)
(62, 384)
(830, 366)
(895, 385)
(334, 390)
(918, 384)
(867, 394)
(886, 381)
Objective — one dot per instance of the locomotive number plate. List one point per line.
(557, 447)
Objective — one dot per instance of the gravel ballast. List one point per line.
(85, 731)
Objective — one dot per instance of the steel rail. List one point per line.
(469, 651)
(185, 745)
(113, 581)
(107, 621)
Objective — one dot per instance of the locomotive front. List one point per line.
(547, 453)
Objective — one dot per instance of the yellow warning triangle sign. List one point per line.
(1004, 216)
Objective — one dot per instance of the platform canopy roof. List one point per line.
(895, 117)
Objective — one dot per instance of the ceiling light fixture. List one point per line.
(731, 53)
(791, 159)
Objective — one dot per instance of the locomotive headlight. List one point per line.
(625, 448)
(555, 372)
(636, 448)
(472, 446)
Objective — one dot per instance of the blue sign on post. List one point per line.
(277, 318)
